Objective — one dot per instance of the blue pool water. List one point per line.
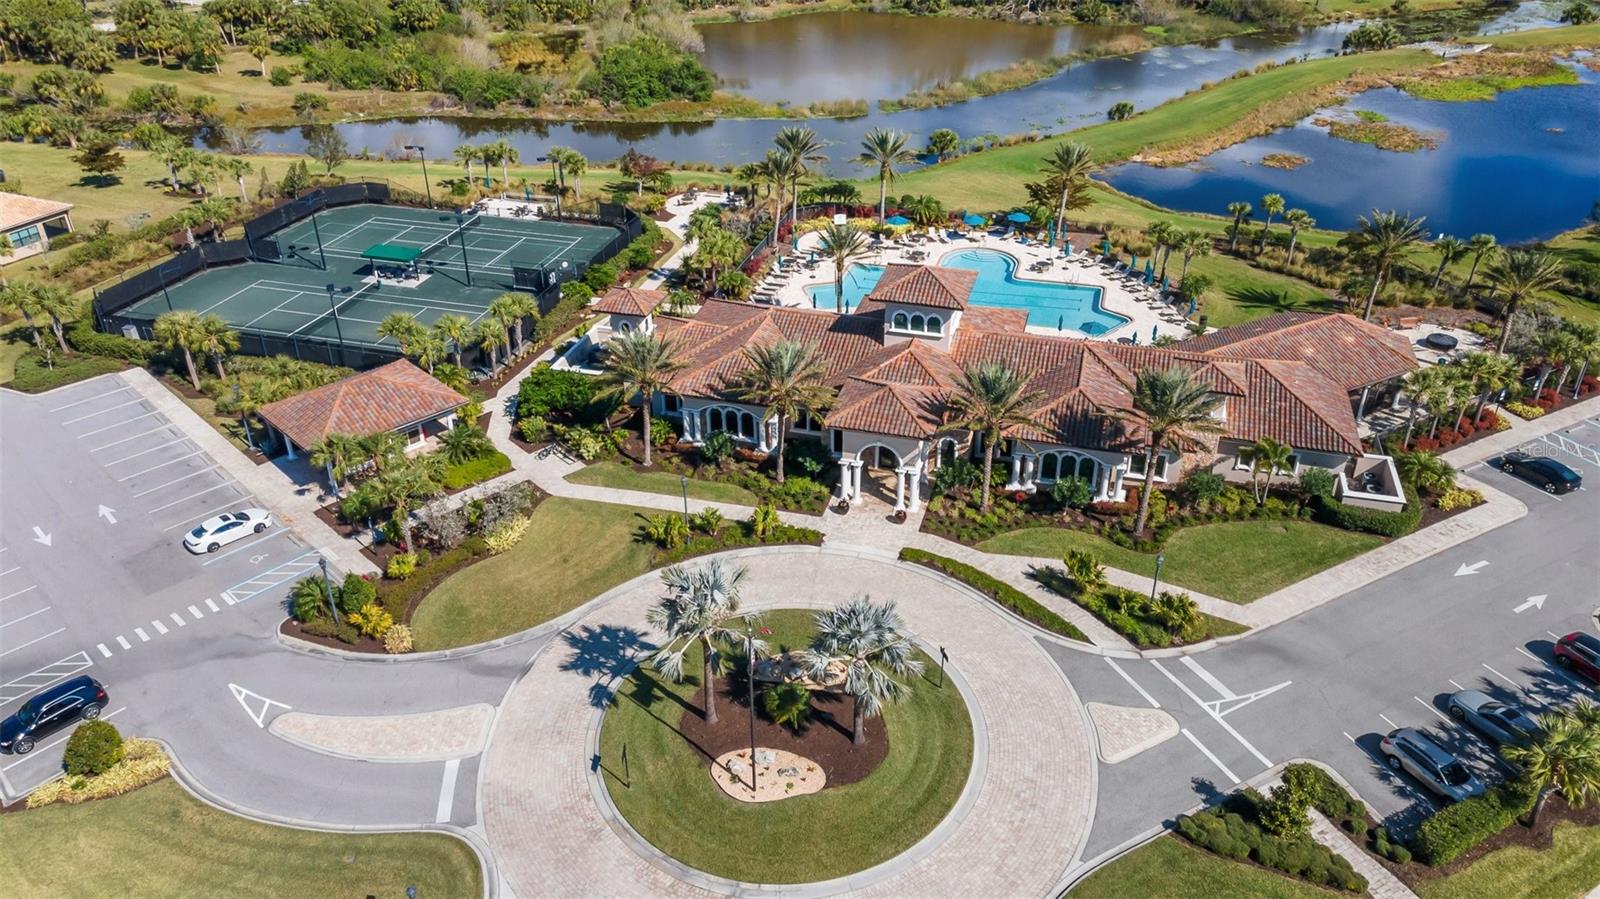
(1066, 307)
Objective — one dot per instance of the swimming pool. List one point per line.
(1065, 307)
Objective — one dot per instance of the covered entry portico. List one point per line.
(859, 451)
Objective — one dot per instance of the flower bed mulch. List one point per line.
(292, 628)
(825, 741)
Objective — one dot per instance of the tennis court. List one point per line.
(323, 288)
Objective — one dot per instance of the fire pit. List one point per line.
(1439, 340)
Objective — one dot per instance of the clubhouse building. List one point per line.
(1300, 379)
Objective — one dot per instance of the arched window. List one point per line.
(624, 327)
(714, 420)
(747, 426)
(1047, 466)
(900, 321)
(947, 451)
(935, 325)
(917, 323)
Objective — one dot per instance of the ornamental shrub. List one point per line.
(402, 566)
(508, 534)
(661, 432)
(717, 446)
(959, 473)
(706, 521)
(1524, 410)
(354, 593)
(93, 748)
(1204, 486)
(1459, 498)
(666, 530)
(1373, 521)
(397, 639)
(788, 705)
(1073, 492)
(475, 471)
(1317, 482)
(1457, 828)
(997, 590)
(372, 620)
(142, 762)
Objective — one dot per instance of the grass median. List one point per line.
(1567, 868)
(625, 477)
(1170, 867)
(160, 841)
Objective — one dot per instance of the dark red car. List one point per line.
(1580, 652)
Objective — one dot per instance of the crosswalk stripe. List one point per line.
(123, 642)
(103, 651)
(196, 613)
(143, 637)
(212, 605)
(160, 628)
(178, 619)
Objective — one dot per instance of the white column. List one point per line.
(1027, 472)
(1016, 473)
(916, 487)
(855, 477)
(290, 444)
(844, 479)
(899, 489)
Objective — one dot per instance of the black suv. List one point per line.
(51, 710)
(1543, 471)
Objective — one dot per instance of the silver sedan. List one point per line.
(1499, 722)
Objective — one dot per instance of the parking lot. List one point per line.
(93, 576)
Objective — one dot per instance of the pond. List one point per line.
(874, 56)
(1521, 166)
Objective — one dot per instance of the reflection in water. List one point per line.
(860, 55)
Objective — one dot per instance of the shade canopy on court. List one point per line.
(391, 252)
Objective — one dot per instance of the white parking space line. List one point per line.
(143, 637)
(117, 425)
(193, 474)
(212, 605)
(189, 497)
(73, 421)
(1454, 684)
(19, 592)
(103, 651)
(1232, 778)
(160, 628)
(1348, 737)
(23, 646)
(144, 452)
(9, 570)
(1132, 683)
(40, 678)
(196, 613)
(1429, 706)
(1386, 718)
(130, 477)
(1509, 682)
(103, 446)
(56, 742)
(244, 546)
(98, 396)
(178, 619)
(447, 792)
(6, 624)
(1214, 716)
(1553, 635)
(123, 642)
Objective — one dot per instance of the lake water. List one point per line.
(871, 56)
(1065, 307)
(1522, 166)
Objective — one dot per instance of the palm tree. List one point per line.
(784, 377)
(1445, 394)
(1550, 347)
(403, 488)
(1272, 204)
(383, 449)
(216, 340)
(925, 211)
(1478, 245)
(885, 149)
(22, 297)
(487, 335)
(463, 443)
(1450, 249)
(1266, 455)
(508, 155)
(1174, 409)
(803, 148)
(1068, 164)
(1522, 274)
(1241, 214)
(644, 364)
(466, 155)
(1192, 243)
(1384, 240)
(402, 328)
(990, 399)
(510, 309)
(1425, 470)
(699, 609)
(870, 643)
(180, 330)
(429, 349)
(457, 329)
(1420, 386)
(1161, 235)
(1587, 346)
(1561, 350)
(1563, 757)
(55, 303)
(779, 169)
(1298, 220)
(843, 245)
(337, 454)
(1489, 373)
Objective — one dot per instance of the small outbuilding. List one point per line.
(28, 223)
(397, 397)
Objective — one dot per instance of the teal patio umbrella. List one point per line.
(974, 220)
(1020, 218)
(899, 221)
(1133, 261)
(1105, 248)
(1150, 270)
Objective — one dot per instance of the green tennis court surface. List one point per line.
(457, 270)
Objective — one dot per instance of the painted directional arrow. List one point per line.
(109, 514)
(1471, 569)
(39, 536)
(1532, 602)
(255, 705)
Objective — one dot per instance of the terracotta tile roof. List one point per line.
(17, 210)
(630, 301)
(894, 409)
(1351, 352)
(1293, 403)
(924, 285)
(383, 399)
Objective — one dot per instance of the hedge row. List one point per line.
(33, 376)
(997, 590)
(737, 536)
(84, 338)
(1373, 521)
(475, 471)
(1226, 832)
(1457, 828)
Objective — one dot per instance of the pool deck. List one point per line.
(1132, 300)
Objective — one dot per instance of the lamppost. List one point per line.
(244, 421)
(461, 232)
(337, 330)
(318, 232)
(684, 482)
(327, 590)
(750, 684)
(554, 180)
(1156, 581)
(422, 153)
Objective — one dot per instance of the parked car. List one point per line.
(1580, 652)
(220, 530)
(1412, 751)
(49, 711)
(1500, 722)
(1547, 473)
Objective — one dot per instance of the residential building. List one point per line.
(397, 397)
(29, 223)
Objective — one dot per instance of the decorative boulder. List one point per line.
(789, 771)
(736, 767)
(764, 757)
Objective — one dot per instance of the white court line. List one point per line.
(193, 474)
(143, 637)
(156, 623)
(123, 642)
(212, 605)
(133, 437)
(1429, 706)
(196, 613)
(56, 742)
(447, 792)
(106, 653)
(178, 619)
(143, 452)
(226, 298)
(25, 617)
(162, 465)
(189, 497)
(98, 396)
(73, 421)
(1132, 683)
(1232, 778)
(31, 642)
(1214, 716)
(119, 424)
(18, 593)
(1386, 718)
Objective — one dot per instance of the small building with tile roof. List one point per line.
(28, 223)
(397, 397)
(630, 308)
(894, 382)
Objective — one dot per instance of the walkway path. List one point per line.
(1035, 785)
(1381, 884)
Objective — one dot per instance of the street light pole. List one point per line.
(244, 421)
(327, 590)
(318, 232)
(1156, 581)
(684, 482)
(750, 682)
(337, 330)
(461, 232)
(422, 153)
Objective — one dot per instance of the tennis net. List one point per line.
(430, 249)
(333, 310)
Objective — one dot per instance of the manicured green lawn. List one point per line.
(574, 551)
(1171, 867)
(160, 841)
(673, 803)
(1569, 36)
(626, 477)
(1237, 561)
(1568, 869)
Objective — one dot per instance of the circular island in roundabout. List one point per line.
(599, 775)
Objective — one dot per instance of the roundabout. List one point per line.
(1002, 805)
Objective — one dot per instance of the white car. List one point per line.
(220, 530)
